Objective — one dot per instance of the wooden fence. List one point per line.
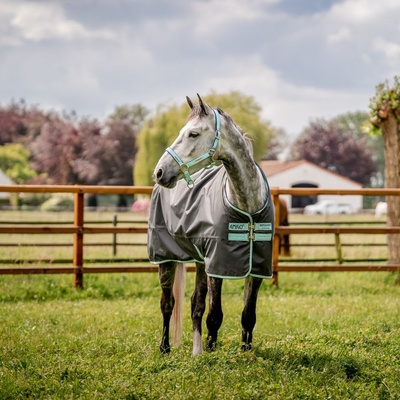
(333, 230)
(78, 229)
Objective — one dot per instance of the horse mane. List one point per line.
(246, 138)
(198, 112)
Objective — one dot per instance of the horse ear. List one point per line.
(203, 106)
(189, 102)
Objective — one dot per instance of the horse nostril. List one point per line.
(159, 174)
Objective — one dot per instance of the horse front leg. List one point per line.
(166, 276)
(252, 285)
(215, 314)
(198, 307)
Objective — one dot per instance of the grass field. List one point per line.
(320, 336)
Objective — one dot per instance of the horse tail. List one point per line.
(179, 296)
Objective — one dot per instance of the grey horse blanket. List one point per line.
(200, 224)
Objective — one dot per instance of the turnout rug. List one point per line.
(200, 224)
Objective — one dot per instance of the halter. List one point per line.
(184, 167)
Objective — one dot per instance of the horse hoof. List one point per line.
(246, 346)
(165, 349)
(211, 345)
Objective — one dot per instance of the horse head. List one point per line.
(195, 148)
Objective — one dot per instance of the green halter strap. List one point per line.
(184, 167)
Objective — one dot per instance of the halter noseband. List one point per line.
(184, 167)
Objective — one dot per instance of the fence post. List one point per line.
(114, 243)
(338, 248)
(78, 240)
(275, 250)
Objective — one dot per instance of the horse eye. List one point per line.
(194, 134)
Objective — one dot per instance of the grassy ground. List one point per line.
(320, 336)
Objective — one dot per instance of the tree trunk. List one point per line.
(390, 127)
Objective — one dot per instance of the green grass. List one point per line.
(320, 336)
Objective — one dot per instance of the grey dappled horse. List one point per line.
(220, 217)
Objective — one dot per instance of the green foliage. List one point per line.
(161, 130)
(155, 136)
(14, 162)
(386, 95)
(320, 336)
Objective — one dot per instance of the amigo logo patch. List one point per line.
(238, 226)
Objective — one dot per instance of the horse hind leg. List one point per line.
(166, 275)
(252, 285)
(198, 307)
(215, 314)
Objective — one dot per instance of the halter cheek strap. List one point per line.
(184, 167)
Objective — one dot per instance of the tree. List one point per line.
(124, 125)
(14, 162)
(21, 123)
(55, 151)
(385, 119)
(329, 145)
(132, 115)
(161, 130)
(357, 123)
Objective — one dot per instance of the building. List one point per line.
(305, 174)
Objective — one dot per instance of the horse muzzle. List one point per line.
(164, 177)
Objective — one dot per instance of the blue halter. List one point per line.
(184, 167)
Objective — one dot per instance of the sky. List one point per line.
(300, 59)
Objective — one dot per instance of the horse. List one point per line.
(284, 245)
(221, 217)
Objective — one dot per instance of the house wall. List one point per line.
(308, 173)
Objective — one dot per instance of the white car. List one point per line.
(325, 207)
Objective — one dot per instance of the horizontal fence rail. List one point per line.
(280, 231)
(78, 228)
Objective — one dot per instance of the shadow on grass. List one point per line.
(346, 365)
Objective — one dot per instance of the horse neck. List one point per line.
(246, 188)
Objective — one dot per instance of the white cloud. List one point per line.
(213, 15)
(364, 11)
(342, 34)
(389, 49)
(36, 21)
(285, 104)
(94, 54)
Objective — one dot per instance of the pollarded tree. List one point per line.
(385, 118)
(160, 131)
(329, 145)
